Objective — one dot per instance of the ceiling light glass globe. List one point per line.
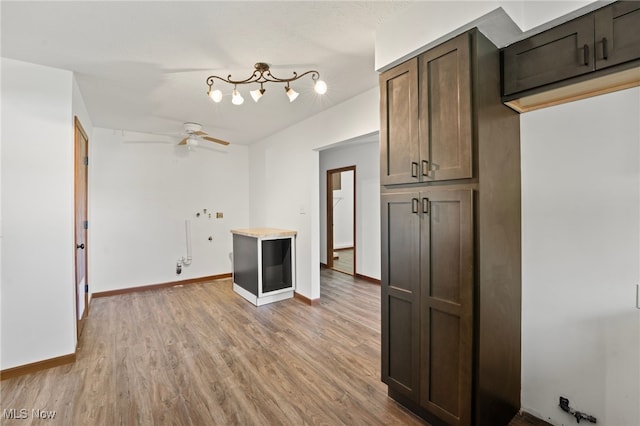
(320, 87)
(237, 98)
(256, 94)
(292, 94)
(215, 95)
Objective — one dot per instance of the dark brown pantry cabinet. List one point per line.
(450, 199)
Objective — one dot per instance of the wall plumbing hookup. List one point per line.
(186, 261)
(564, 404)
(208, 214)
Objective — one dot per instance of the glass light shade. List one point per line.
(192, 142)
(237, 98)
(292, 94)
(215, 95)
(320, 87)
(256, 94)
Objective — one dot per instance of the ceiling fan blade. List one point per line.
(220, 141)
(183, 142)
(200, 133)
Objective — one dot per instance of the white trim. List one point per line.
(263, 300)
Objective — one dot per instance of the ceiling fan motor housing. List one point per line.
(192, 127)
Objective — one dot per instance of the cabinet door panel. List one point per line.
(548, 57)
(617, 34)
(447, 304)
(445, 111)
(399, 155)
(444, 360)
(445, 261)
(401, 331)
(400, 292)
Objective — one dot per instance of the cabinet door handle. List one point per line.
(414, 205)
(425, 168)
(586, 54)
(605, 50)
(414, 169)
(425, 205)
(637, 296)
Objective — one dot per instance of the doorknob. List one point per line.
(80, 246)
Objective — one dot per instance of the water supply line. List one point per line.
(185, 261)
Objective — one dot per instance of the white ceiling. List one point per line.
(142, 66)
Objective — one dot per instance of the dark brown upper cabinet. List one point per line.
(557, 54)
(399, 149)
(617, 32)
(574, 52)
(444, 83)
(426, 121)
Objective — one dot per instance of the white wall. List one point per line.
(80, 110)
(38, 320)
(285, 187)
(141, 195)
(366, 158)
(581, 250)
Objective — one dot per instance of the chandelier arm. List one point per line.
(263, 77)
(251, 79)
(273, 79)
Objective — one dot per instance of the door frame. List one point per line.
(330, 250)
(80, 172)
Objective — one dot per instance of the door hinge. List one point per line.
(86, 161)
(86, 224)
(86, 288)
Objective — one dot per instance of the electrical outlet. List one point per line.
(219, 215)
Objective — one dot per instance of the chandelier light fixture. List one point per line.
(262, 75)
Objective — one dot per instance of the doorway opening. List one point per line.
(341, 219)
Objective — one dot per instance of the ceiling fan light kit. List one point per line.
(263, 75)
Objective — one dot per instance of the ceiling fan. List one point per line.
(193, 133)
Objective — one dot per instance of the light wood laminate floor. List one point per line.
(344, 262)
(201, 355)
